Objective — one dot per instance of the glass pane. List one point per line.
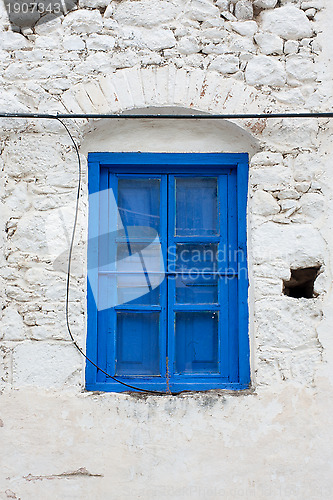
(141, 271)
(196, 258)
(139, 257)
(137, 343)
(139, 289)
(196, 206)
(194, 283)
(196, 342)
(139, 203)
(200, 290)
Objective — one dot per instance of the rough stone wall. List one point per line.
(265, 42)
(232, 56)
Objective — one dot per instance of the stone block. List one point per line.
(265, 4)
(312, 205)
(84, 21)
(264, 203)
(11, 325)
(269, 43)
(288, 22)
(73, 42)
(264, 158)
(244, 9)
(245, 28)
(264, 70)
(300, 69)
(298, 245)
(225, 64)
(146, 13)
(188, 45)
(13, 41)
(100, 42)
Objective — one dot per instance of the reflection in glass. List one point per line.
(139, 203)
(196, 206)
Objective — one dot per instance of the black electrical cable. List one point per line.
(70, 253)
(168, 116)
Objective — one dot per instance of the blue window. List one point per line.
(167, 272)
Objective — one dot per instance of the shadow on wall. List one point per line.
(166, 136)
(26, 14)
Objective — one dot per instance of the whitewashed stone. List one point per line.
(292, 326)
(100, 42)
(312, 205)
(315, 4)
(271, 178)
(222, 4)
(291, 47)
(289, 206)
(300, 68)
(291, 194)
(13, 41)
(241, 44)
(17, 199)
(289, 22)
(306, 166)
(269, 43)
(42, 364)
(264, 70)
(49, 24)
(264, 4)
(93, 4)
(11, 325)
(146, 13)
(310, 13)
(73, 42)
(321, 284)
(266, 158)
(264, 203)
(45, 43)
(188, 45)
(245, 28)
(244, 9)
(5, 368)
(200, 10)
(84, 21)
(159, 39)
(109, 12)
(292, 96)
(289, 243)
(225, 64)
(302, 187)
(226, 14)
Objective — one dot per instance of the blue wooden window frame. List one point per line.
(234, 344)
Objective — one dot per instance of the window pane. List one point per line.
(139, 289)
(139, 257)
(137, 343)
(141, 271)
(199, 290)
(196, 258)
(196, 206)
(194, 283)
(139, 203)
(196, 342)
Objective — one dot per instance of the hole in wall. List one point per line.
(301, 283)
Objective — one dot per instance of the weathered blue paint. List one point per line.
(222, 359)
